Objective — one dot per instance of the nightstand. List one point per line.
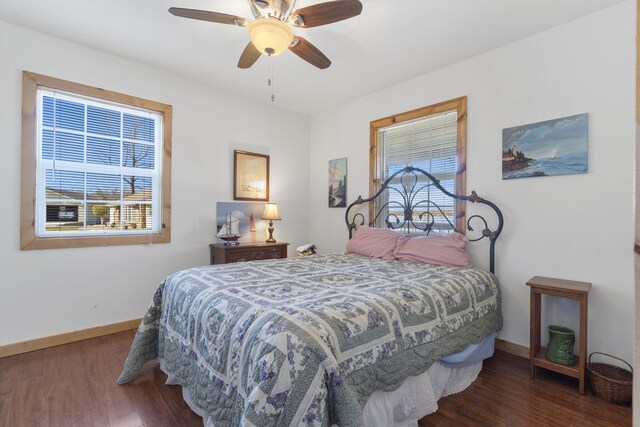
(537, 354)
(221, 254)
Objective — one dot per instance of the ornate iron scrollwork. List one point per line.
(417, 213)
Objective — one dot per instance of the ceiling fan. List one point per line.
(270, 32)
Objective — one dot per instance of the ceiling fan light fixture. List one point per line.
(270, 36)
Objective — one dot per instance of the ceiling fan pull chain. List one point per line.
(271, 82)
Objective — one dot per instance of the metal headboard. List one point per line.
(412, 181)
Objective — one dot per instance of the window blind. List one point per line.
(428, 143)
(98, 167)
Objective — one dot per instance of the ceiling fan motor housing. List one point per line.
(279, 9)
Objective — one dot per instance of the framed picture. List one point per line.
(553, 147)
(338, 183)
(250, 176)
(241, 220)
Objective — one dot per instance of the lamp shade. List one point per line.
(271, 212)
(270, 35)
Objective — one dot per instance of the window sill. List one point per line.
(82, 242)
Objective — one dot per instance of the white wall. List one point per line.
(53, 291)
(576, 227)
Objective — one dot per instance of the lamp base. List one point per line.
(270, 239)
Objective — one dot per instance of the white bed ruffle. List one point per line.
(417, 396)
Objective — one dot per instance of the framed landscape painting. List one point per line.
(553, 147)
(338, 183)
(250, 176)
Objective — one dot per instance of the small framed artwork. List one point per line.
(240, 221)
(553, 147)
(250, 176)
(338, 183)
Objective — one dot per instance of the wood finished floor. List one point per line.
(74, 385)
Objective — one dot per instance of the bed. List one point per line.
(309, 341)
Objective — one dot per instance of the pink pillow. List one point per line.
(444, 249)
(374, 242)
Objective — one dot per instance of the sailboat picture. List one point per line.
(230, 230)
(239, 222)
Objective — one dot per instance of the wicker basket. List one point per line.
(611, 383)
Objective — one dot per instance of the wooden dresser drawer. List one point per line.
(221, 254)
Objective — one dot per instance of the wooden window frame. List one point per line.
(458, 104)
(28, 239)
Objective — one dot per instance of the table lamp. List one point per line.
(271, 213)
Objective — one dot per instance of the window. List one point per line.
(432, 138)
(96, 166)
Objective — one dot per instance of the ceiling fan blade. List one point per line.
(203, 15)
(249, 56)
(326, 13)
(310, 53)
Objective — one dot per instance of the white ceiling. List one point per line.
(392, 41)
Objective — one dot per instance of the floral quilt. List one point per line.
(306, 341)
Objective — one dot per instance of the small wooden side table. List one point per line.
(565, 289)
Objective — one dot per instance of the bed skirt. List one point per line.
(418, 396)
